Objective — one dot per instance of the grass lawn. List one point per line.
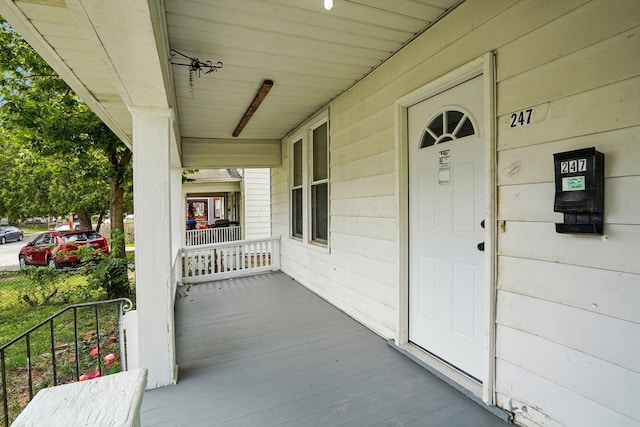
(34, 228)
(48, 297)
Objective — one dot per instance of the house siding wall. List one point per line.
(568, 324)
(257, 202)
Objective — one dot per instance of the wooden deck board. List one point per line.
(265, 351)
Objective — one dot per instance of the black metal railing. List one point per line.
(123, 305)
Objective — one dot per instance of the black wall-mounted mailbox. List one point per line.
(580, 190)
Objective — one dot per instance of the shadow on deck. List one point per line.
(265, 351)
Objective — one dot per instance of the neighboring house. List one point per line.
(238, 195)
(412, 172)
(212, 194)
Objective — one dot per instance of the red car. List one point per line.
(58, 248)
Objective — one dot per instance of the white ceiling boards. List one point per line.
(116, 55)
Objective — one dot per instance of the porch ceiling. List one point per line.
(115, 55)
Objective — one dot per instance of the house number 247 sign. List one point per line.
(521, 118)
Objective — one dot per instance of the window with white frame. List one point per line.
(320, 185)
(309, 166)
(296, 190)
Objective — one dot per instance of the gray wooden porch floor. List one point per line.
(265, 351)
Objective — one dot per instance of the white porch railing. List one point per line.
(233, 259)
(207, 236)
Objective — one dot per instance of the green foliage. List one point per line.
(105, 272)
(186, 175)
(56, 155)
(16, 317)
(110, 273)
(38, 286)
(44, 285)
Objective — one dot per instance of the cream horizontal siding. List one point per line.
(569, 76)
(522, 202)
(516, 384)
(567, 322)
(345, 289)
(599, 110)
(257, 203)
(607, 383)
(566, 304)
(594, 21)
(587, 288)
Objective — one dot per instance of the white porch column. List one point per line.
(178, 206)
(152, 179)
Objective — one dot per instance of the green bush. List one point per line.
(38, 286)
(110, 274)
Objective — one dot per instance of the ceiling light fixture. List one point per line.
(195, 66)
(262, 93)
(328, 4)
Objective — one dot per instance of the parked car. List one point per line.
(59, 248)
(10, 233)
(222, 223)
(65, 226)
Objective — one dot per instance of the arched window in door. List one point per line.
(445, 126)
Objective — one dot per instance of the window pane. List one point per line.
(296, 212)
(297, 163)
(436, 125)
(453, 118)
(427, 140)
(320, 207)
(466, 129)
(320, 153)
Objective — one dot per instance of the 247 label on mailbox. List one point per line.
(571, 166)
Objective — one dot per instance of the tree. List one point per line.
(72, 158)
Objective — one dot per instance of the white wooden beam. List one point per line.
(201, 153)
(122, 34)
(30, 33)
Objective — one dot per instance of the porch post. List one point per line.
(154, 282)
(178, 216)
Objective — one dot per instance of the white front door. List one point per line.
(446, 235)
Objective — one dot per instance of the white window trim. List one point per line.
(298, 138)
(305, 133)
(319, 182)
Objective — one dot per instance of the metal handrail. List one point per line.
(124, 305)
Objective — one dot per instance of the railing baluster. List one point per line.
(75, 335)
(53, 353)
(224, 260)
(208, 236)
(98, 337)
(29, 371)
(255, 255)
(123, 350)
(192, 265)
(5, 399)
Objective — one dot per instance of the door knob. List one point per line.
(481, 246)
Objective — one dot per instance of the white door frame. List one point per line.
(484, 65)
